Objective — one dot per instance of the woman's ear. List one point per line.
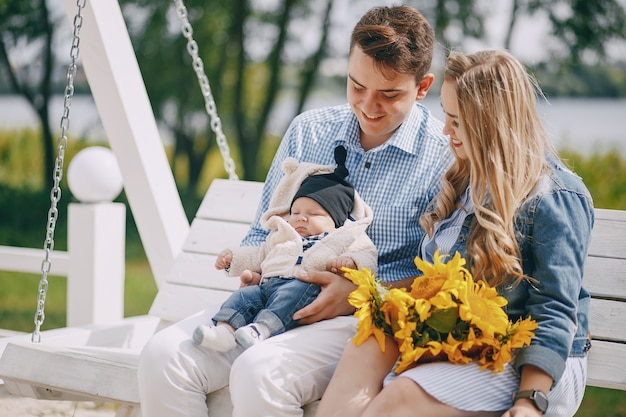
(424, 85)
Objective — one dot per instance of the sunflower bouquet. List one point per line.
(446, 316)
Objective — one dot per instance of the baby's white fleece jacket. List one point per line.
(279, 254)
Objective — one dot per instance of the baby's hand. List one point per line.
(224, 259)
(336, 264)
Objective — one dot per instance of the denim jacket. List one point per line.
(553, 227)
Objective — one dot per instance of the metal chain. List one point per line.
(55, 193)
(209, 102)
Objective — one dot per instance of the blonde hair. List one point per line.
(506, 145)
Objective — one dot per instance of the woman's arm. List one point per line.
(532, 378)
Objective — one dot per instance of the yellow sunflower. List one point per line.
(437, 276)
(521, 332)
(482, 307)
(446, 315)
(367, 299)
(397, 306)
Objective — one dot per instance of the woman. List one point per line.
(523, 221)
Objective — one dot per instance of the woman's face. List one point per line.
(451, 127)
(380, 104)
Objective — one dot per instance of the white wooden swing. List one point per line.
(98, 362)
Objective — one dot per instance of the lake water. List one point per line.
(585, 125)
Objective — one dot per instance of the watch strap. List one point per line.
(538, 398)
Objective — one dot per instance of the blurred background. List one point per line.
(267, 61)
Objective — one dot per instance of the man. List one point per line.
(396, 157)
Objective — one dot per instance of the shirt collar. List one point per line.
(403, 138)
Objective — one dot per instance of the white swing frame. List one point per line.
(98, 362)
(120, 96)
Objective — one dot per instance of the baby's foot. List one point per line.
(251, 334)
(218, 338)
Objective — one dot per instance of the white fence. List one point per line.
(94, 263)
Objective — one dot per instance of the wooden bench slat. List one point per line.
(607, 365)
(607, 320)
(606, 278)
(175, 302)
(230, 200)
(111, 374)
(610, 214)
(197, 270)
(211, 236)
(607, 237)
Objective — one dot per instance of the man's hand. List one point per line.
(332, 300)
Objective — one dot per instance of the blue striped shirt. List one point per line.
(396, 179)
(447, 231)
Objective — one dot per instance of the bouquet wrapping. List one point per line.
(445, 316)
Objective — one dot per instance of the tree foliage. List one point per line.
(253, 52)
(465, 17)
(581, 28)
(243, 50)
(27, 24)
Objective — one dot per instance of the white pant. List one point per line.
(272, 379)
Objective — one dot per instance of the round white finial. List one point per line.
(94, 175)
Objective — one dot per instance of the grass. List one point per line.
(602, 402)
(18, 300)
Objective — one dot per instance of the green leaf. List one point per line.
(444, 320)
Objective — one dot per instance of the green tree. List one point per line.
(581, 27)
(27, 24)
(169, 78)
(248, 52)
(464, 14)
(243, 50)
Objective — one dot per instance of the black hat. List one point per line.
(331, 191)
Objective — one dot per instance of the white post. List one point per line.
(96, 239)
(96, 243)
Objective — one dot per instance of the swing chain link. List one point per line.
(55, 193)
(203, 80)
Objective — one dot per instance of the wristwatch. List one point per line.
(538, 398)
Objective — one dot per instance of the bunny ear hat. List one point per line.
(295, 173)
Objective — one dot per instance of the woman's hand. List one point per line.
(523, 408)
(332, 300)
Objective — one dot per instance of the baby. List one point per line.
(324, 230)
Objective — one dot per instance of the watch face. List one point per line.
(540, 400)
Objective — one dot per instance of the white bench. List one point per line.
(99, 362)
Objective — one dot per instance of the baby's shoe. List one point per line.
(251, 334)
(218, 338)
